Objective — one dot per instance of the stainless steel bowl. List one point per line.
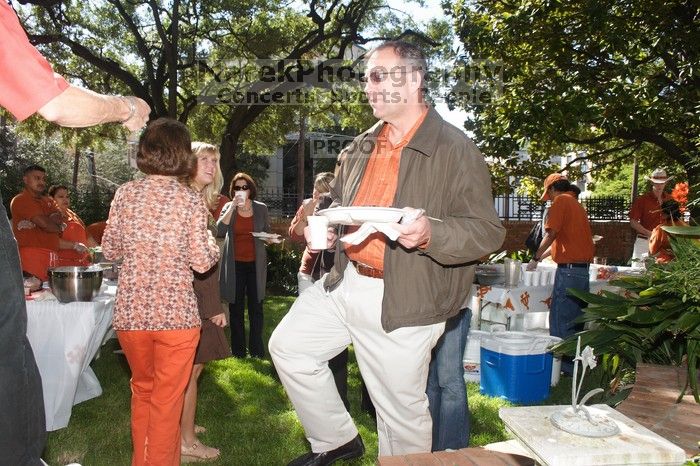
(70, 284)
(489, 275)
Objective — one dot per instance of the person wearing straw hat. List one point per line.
(645, 212)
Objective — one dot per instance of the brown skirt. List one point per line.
(212, 342)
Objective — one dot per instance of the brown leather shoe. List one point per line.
(353, 449)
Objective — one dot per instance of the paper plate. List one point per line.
(359, 215)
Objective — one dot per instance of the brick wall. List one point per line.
(616, 245)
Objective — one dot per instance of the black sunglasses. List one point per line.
(241, 188)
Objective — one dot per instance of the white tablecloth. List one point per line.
(511, 301)
(65, 339)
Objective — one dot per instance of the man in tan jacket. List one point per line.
(390, 299)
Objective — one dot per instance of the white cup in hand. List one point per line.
(318, 232)
(240, 197)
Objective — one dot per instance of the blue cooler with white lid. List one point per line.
(516, 366)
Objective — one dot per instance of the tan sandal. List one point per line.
(198, 452)
(199, 429)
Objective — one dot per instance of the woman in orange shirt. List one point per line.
(659, 244)
(75, 228)
(158, 226)
(244, 268)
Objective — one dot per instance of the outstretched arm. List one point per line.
(77, 108)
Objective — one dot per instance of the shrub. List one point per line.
(282, 267)
(656, 320)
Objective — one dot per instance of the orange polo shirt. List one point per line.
(569, 220)
(31, 83)
(378, 188)
(25, 206)
(646, 209)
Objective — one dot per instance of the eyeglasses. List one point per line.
(376, 77)
(241, 188)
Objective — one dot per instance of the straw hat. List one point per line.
(549, 181)
(659, 176)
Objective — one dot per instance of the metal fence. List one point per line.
(280, 203)
(529, 208)
(94, 206)
(284, 204)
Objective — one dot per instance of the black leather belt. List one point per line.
(367, 271)
(573, 265)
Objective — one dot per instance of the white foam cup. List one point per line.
(240, 197)
(528, 275)
(318, 231)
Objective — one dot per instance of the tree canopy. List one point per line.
(609, 77)
(169, 52)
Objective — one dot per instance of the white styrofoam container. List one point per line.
(472, 356)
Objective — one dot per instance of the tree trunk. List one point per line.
(76, 166)
(635, 180)
(692, 169)
(92, 171)
(301, 152)
(229, 146)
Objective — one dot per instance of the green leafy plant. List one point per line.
(282, 267)
(523, 255)
(655, 320)
(497, 257)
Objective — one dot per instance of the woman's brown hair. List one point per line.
(249, 181)
(56, 188)
(165, 148)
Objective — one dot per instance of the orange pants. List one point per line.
(161, 364)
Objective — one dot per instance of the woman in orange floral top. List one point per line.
(158, 226)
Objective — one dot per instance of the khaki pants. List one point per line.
(394, 365)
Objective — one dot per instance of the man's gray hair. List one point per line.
(405, 50)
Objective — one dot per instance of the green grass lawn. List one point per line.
(244, 408)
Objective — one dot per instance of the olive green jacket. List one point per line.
(443, 172)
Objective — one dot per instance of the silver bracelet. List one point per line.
(132, 108)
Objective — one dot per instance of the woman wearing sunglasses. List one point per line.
(244, 267)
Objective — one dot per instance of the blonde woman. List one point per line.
(207, 180)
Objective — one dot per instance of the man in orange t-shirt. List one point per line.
(36, 220)
(37, 224)
(568, 232)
